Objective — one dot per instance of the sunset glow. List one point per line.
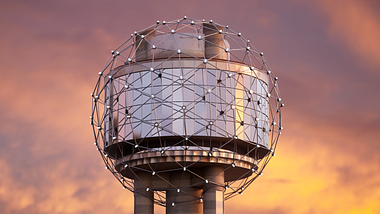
(325, 53)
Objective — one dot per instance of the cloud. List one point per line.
(355, 24)
(328, 156)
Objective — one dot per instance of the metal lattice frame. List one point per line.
(131, 95)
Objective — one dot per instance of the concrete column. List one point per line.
(143, 199)
(142, 45)
(188, 196)
(213, 196)
(214, 45)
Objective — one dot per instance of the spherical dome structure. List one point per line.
(183, 108)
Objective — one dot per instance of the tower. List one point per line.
(186, 114)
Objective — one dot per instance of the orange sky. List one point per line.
(325, 53)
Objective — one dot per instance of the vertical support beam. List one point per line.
(143, 199)
(186, 201)
(239, 106)
(213, 196)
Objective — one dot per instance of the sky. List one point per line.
(325, 53)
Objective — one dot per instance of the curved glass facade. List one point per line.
(187, 102)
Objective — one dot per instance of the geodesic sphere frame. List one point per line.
(183, 95)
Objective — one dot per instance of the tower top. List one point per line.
(186, 113)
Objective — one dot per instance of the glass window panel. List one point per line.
(200, 104)
(146, 86)
(199, 118)
(255, 134)
(157, 91)
(188, 93)
(198, 76)
(146, 126)
(230, 100)
(167, 103)
(190, 122)
(157, 118)
(167, 78)
(137, 94)
(204, 80)
(220, 128)
(211, 77)
(247, 104)
(266, 137)
(221, 106)
(136, 130)
(129, 104)
(178, 124)
(239, 95)
(166, 128)
(263, 107)
(167, 122)
(254, 108)
(167, 110)
(106, 114)
(121, 112)
(128, 131)
(221, 92)
(146, 108)
(177, 88)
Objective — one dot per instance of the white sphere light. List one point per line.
(200, 109)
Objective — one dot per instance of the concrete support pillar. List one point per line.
(186, 200)
(214, 45)
(142, 45)
(143, 199)
(213, 196)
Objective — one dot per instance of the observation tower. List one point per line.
(186, 114)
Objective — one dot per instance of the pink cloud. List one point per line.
(327, 160)
(354, 25)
